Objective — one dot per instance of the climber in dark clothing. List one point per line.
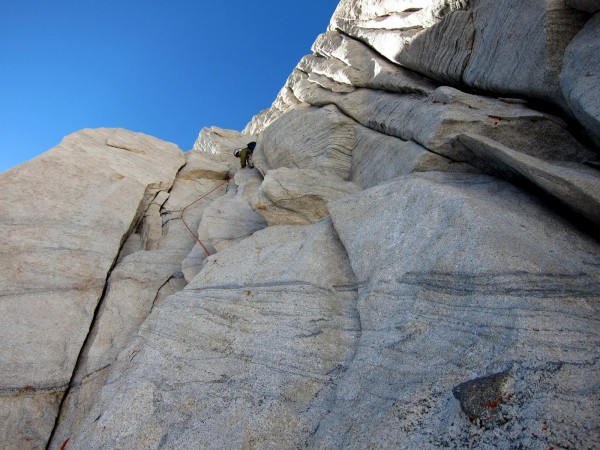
(245, 154)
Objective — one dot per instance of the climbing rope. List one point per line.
(193, 203)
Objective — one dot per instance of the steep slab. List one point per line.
(518, 46)
(141, 279)
(464, 276)
(247, 356)
(64, 217)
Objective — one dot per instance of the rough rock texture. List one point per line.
(477, 43)
(580, 77)
(237, 360)
(473, 277)
(65, 216)
(218, 141)
(298, 196)
(308, 138)
(501, 27)
(435, 120)
(449, 301)
(230, 218)
(576, 185)
(349, 61)
(143, 276)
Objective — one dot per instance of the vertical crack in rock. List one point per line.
(138, 218)
(84, 346)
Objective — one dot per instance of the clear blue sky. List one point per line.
(161, 67)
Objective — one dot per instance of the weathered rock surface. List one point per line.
(476, 43)
(463, 276)
(64, 216)
(350, 62)
(502, 27)
(145, 274)
(298, 196)
(435, 120)
(450, 300)
(200, 165)
(227, 220)
(242, 359)
(377, 157)
(230, 218)
(219, 142)
(576, 185)
(580, 77)
(308, 138)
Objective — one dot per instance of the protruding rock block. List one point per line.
(575, 185)
(298, 196)
(309, 138)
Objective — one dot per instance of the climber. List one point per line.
(245, 154)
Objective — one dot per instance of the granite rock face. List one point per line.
(256, 353)
(414, 262)
(477, 43)
(65, 216)
(461, 284)
(298, 196)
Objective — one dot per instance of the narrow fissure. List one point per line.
(84, 347)
(80, 357)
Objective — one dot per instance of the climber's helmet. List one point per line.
(236, 152)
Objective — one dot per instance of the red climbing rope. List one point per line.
(194, 202)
